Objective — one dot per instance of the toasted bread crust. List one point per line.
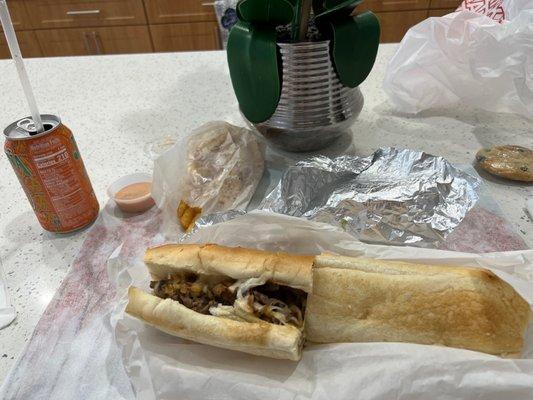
(367, 300)
(259, 338)
(236, 262)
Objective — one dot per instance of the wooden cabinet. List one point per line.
(77, 27)
(186, 36)
(82, 27)
(86, 41)
(27, 39)
(164, 11)
(397, 16)
(444, 4)
(27, 42)
(394, 25)
(440, 13)
(18, 15)
(46, 14)
(393, 5)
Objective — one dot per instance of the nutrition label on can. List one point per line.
(57, 170)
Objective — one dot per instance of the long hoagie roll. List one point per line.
(259, 338)
(367, 300)
(240, 299)
(235, 262)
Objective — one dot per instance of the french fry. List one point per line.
(187, 215)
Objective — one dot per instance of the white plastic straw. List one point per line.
(19, 63)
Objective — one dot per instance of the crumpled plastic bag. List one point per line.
(216, 168)
(465, 56)
(514, 7)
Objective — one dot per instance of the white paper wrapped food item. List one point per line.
(215, 168)
(466, 57)
(160, 365)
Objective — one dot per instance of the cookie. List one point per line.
(511, 162)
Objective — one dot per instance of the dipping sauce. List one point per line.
(135, 197)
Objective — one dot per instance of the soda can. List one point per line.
(51, 172)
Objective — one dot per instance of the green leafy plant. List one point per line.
(253, 55)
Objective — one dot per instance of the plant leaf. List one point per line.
(271, 12)
(253, 64)
(355, 42)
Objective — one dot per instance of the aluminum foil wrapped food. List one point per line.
(396, 196)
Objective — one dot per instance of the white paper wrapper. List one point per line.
(217, 167)
(164, 367)
(466, 56)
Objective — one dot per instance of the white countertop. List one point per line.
(117, 104)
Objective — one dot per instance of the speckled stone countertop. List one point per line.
(115, 105)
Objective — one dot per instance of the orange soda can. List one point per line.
(51, 172)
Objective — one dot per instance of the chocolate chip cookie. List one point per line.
(511, 162)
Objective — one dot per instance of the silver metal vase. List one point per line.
(314, 108)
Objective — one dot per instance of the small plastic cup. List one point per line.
(135, 205)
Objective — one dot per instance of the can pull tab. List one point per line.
(27, 125)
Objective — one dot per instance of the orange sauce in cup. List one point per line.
(135, 197)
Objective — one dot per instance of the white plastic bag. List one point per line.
(468, 57)
(514, 7)
(216, 168)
